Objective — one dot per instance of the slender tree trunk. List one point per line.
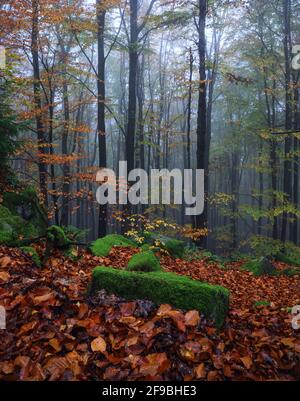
(38, 101)
(66, 167)
(287, 174)
(296, 124)
(189, 108)
(202, 146)
(132, 98)
(102, 222)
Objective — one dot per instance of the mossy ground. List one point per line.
(160, 287)
(144, 262)
(102, 246)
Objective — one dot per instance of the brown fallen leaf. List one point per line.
(200, 372)
(4, 276)
(192, 318)
(98, 345)
(55, 344)
(247, 361)
(5, 261)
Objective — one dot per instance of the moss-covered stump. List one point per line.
(29, 250)
(102, 246)
(144, 262)
(260, 266)
(160, 287)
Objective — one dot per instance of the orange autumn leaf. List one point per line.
(98, 345)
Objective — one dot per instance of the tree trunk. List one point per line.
(202, 146)
(287, 174)
(38, 101)
(102, 222)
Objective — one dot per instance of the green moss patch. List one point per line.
(160, 287)
(173, 246)
(144, 262)
(102, 246)
(257, 304)
(58, 238)
(33, 253)
(264, 266)
(260, 266)
(287, 259)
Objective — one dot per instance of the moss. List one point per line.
(102, 246)
(260, 266)
(145, 247)
(160, 287)
(290, 272)
(4, 212)
(5, 236)
(174, 247)
(144, 262)
(25, 204)
(58, 238)
(261, 303)
(71, 253)
(33, 253)
(287, 259)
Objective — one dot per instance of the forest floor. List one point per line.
(55, 332)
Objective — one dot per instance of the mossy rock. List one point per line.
(21, 217)
(29, 250)
(4, 212)
(260, 266)
(25, 204)
(144, 262)
(58, 238)
(282, 257)
(161, 288)
(102, 246)
(173, 246)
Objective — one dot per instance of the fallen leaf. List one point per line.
(98, 345)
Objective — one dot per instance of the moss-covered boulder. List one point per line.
(22, 218)
(13, 228)
(173, 246)
(29, 250)
(160, 287)
(25, 204)
(57, 238)
(260, 266)
(102, 246)
(144, 262)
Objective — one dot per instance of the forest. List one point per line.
(149, 190)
